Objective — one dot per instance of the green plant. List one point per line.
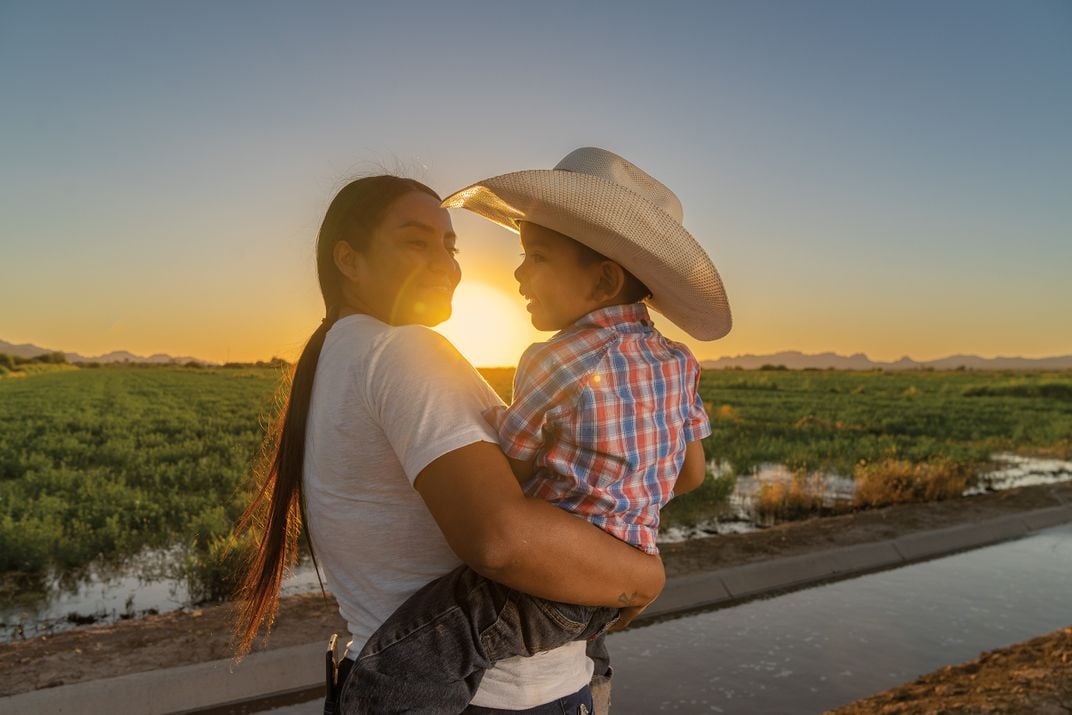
(214, 571)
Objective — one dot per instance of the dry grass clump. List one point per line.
(897, 481)
(795, 498)
(724, 413)
(727, 413)
(1061, 450)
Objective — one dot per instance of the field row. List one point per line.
(96, 465)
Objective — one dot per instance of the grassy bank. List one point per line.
(98, 464)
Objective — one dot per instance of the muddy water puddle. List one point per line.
(146, 584)
(1009, 471)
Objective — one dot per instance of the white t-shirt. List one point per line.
(387, 401)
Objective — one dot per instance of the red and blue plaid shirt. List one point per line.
(606, 407)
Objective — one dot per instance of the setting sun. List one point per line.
(489, 327)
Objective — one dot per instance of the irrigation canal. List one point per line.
(812, 650)
(817, 649)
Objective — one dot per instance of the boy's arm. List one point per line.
(693, 469)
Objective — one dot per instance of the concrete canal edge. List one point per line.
(735, 584)
(296, 673)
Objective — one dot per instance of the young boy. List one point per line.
(606, 420)
(606, 415)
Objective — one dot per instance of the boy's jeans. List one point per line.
(431, 654)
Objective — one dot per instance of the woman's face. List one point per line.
(407, 273)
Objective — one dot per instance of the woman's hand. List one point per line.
(626, 617)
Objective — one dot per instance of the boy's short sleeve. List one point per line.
(549, 377)
(697, 424)
(520, 426)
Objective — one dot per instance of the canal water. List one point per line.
(813, 650)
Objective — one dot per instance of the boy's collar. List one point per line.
(612, 316)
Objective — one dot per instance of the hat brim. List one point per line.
(623, 226)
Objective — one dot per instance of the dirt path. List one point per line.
(183, 638)
(1033, 677)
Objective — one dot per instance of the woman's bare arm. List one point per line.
(527, 543)
(522, 469)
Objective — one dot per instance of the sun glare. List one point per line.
(489, 327)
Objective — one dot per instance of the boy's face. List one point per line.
(558, 284)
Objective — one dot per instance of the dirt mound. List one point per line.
(1032, 677)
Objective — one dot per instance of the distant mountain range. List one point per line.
(26, 350)
(790, 359)
(798, 361)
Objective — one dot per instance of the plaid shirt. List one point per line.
(605, 407)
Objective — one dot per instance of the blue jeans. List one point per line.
(580, 703)
(431, 654)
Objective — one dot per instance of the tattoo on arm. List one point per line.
(625, 600)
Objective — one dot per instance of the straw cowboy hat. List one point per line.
(603, 201)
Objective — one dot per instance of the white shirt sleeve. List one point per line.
(427, 398)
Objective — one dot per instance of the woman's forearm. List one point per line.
(527, 543)
(553, 554)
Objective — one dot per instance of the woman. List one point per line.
(401, 476)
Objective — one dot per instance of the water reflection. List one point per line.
(1017, 471)
(820, 648)
(149, 583)
(832, 489)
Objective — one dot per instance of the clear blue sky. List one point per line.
(891, 178)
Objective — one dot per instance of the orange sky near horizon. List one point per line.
(270, 311)
(490, 327)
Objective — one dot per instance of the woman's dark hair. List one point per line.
(275, 514)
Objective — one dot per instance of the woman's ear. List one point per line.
(346, 260)
(610, 282)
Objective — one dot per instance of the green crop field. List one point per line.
(832, 420)
(97, 464)
(101, 463)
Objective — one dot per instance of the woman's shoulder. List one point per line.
(362, 334)
(417, 342)
(398, 358)
(422, 353)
